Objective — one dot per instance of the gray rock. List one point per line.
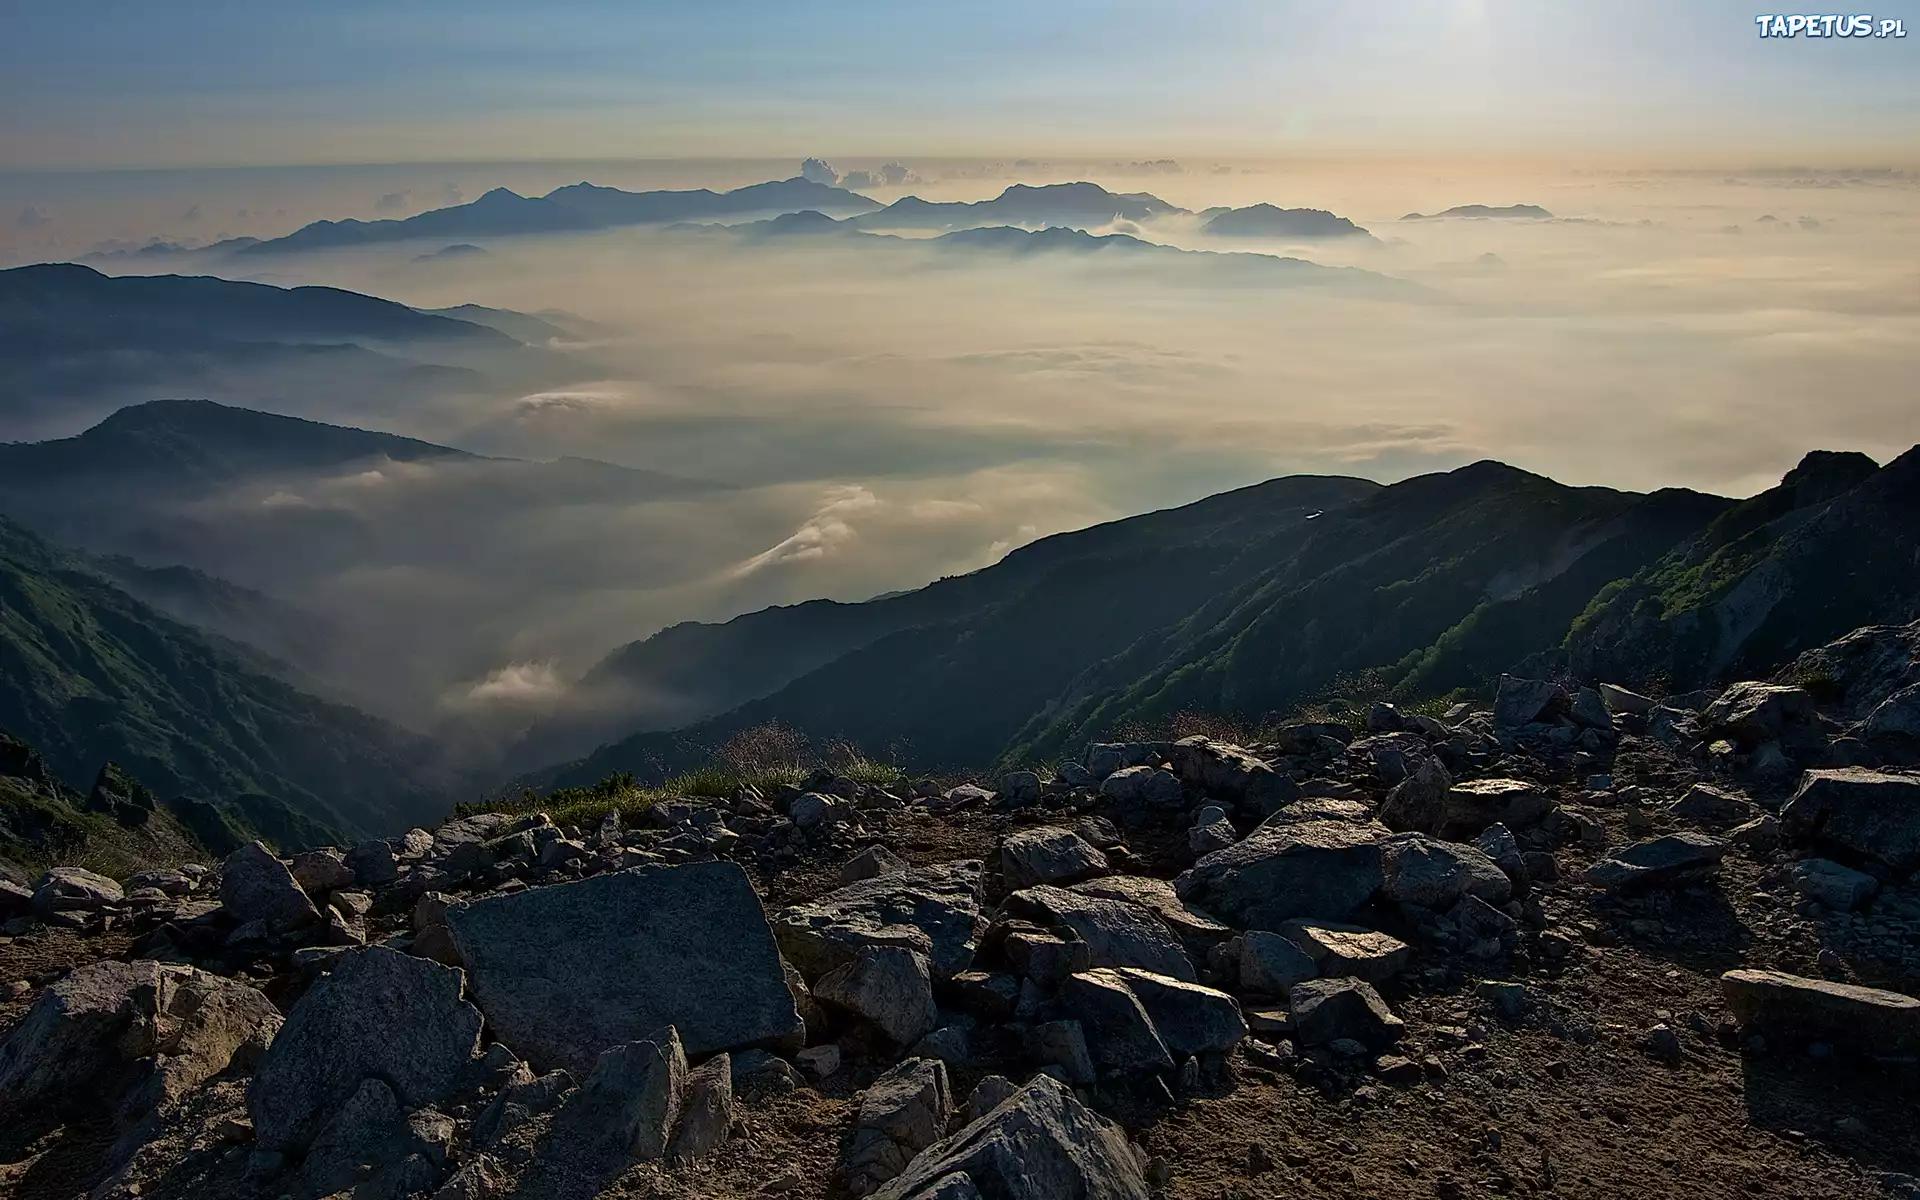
(1620, 700)
(889, 987)
(990, 1093)
(1312, 868)
(1272, 964)
(1061, 1045)
(1117, 933)
(1670, 861)
(756, 1072)
(1190, 1019)
(626, 1109)
(1211, 831)
(1753, 713)
(1590, 710)
(1038, 1144)
(1046, 855)
(375, 1149)
(1705, 804)
(902, 1113)
(1226, 772)
(373, 863)
(1840, 889)
(872, 863)
(1325, 1010)
(1867, 1020)
(1423, 871)
(934, 910)
(1043, 956)
(74, 889)
(1497, 842)
(949, 1043)
(1894, 722)
(1019, 787)
(1347, 951)
(135, 1036)
(1197, 930)
(377, 1012)
(816, 810)
(477, 1179)
(990, 994)
(1871, 813)
(1149, 786)
(1419, 800)
(1120, 1035)
(1520, 702)
(256, 886)
(1471, 806)
(1104, 758)
(565, 972)
(706, 1111)
(15, 901)
(1761, 834)
(321, 871)
(523, 1099)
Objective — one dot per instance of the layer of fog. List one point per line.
(890, 415)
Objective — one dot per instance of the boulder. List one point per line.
(373, 863)
(1590, 711)
(1347, 951)
(1040, 1143)
(1867, 1020)
(1752, 713)
(1520, 702)
(374, 1148)
(524, 1098)
(1121, 1037)
(1117, 933)
(1148, 786)
(756, 1072)
(1894, 723)
(1471, 806)
(815, 810)
(933, 910)
(1429, 873)
(565, 972)
(1715, 808)
(74, 889)
(1190, 1019)
(1419, 800)
(1104, 758)
(889, 987)
(321, 871)
(1047, 855)
(706, 1110)
(15, 901)
(376, 1012)
(627, 1108)
(1272, 964)
(1019, 787)
(1840, 889)
(1868, 812)
(872, 863)
(1061, 1045)
(1497, 842)
(1211, 831)
(1620, 700)
(134, 1035)
(1670, 861)
(1195, 929)
(256, 886)
(1327, 1010)
(902, 1112)
(1323, 868)
(1226, 772)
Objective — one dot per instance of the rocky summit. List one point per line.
(1569, 940)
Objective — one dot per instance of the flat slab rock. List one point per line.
(1865, 1019)
(1324, 868)
(1040, 1143)
(1875, 813)
(934, 910)
(1118, 933)
(1658, 862)
(565, 972)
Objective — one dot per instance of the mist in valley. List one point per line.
(841, 416)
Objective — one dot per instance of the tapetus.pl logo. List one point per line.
(1829, 25)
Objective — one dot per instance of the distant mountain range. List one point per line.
(1256, 601)
(1071, 205)
(1006, 241)
(78, 340)
(571, 209)
(1264, 220)
(1525, 212)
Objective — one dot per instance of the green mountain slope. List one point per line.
(88, 673)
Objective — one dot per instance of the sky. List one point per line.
(131, 83)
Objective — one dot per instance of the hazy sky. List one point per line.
(194, 82)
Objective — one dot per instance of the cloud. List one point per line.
(828, 530)
(819, 171)
(31, 218)
(392, 202)
(192, 214)
(520, 684)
